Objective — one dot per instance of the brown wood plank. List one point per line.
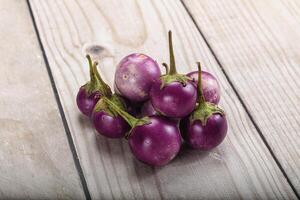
(35, 158)
(257, 44)
(241, 167)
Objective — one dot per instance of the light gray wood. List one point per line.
(35, 158)
(257, 44)
(241, 167)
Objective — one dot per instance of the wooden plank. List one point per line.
(36, 161)
(257, 44)
(241, 167)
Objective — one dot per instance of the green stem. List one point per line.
(166, 66)
(201, 99)
(93, 76)
(105, 88)
(172, 58)
(96, 79)
(132, 121)
(204, 109)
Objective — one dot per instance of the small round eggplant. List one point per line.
(135, 75)
(108, 122)
(204, 137)
(90, 93)
(206, 127)
(174, 95)
(174, 100)
(156, 143)
(154, 140)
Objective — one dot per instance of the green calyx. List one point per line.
(171, 72)
(103, 106)
(96, 83)
(167, 79)
(132, 121)
(204, 109)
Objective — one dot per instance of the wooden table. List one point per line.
(48, 150)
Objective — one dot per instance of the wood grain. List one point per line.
(257, 44)
(241, 167)
(35, 158)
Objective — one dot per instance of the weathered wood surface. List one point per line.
(35, 158)
(241, 167)
(257, 43)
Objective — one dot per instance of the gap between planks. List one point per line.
(61, 111)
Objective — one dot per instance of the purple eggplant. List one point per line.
(90, 93)
(206, 127)
(107, 122)
(135, 75)
(174, 95)
(154, 140)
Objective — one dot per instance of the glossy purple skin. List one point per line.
(135, 75)
(157, 143)
(210, 86)
(174, 100)
(148, 110)
(112, 127)
(85, 102)
(205, 137)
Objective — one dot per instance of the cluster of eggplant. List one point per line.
(155, 112)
